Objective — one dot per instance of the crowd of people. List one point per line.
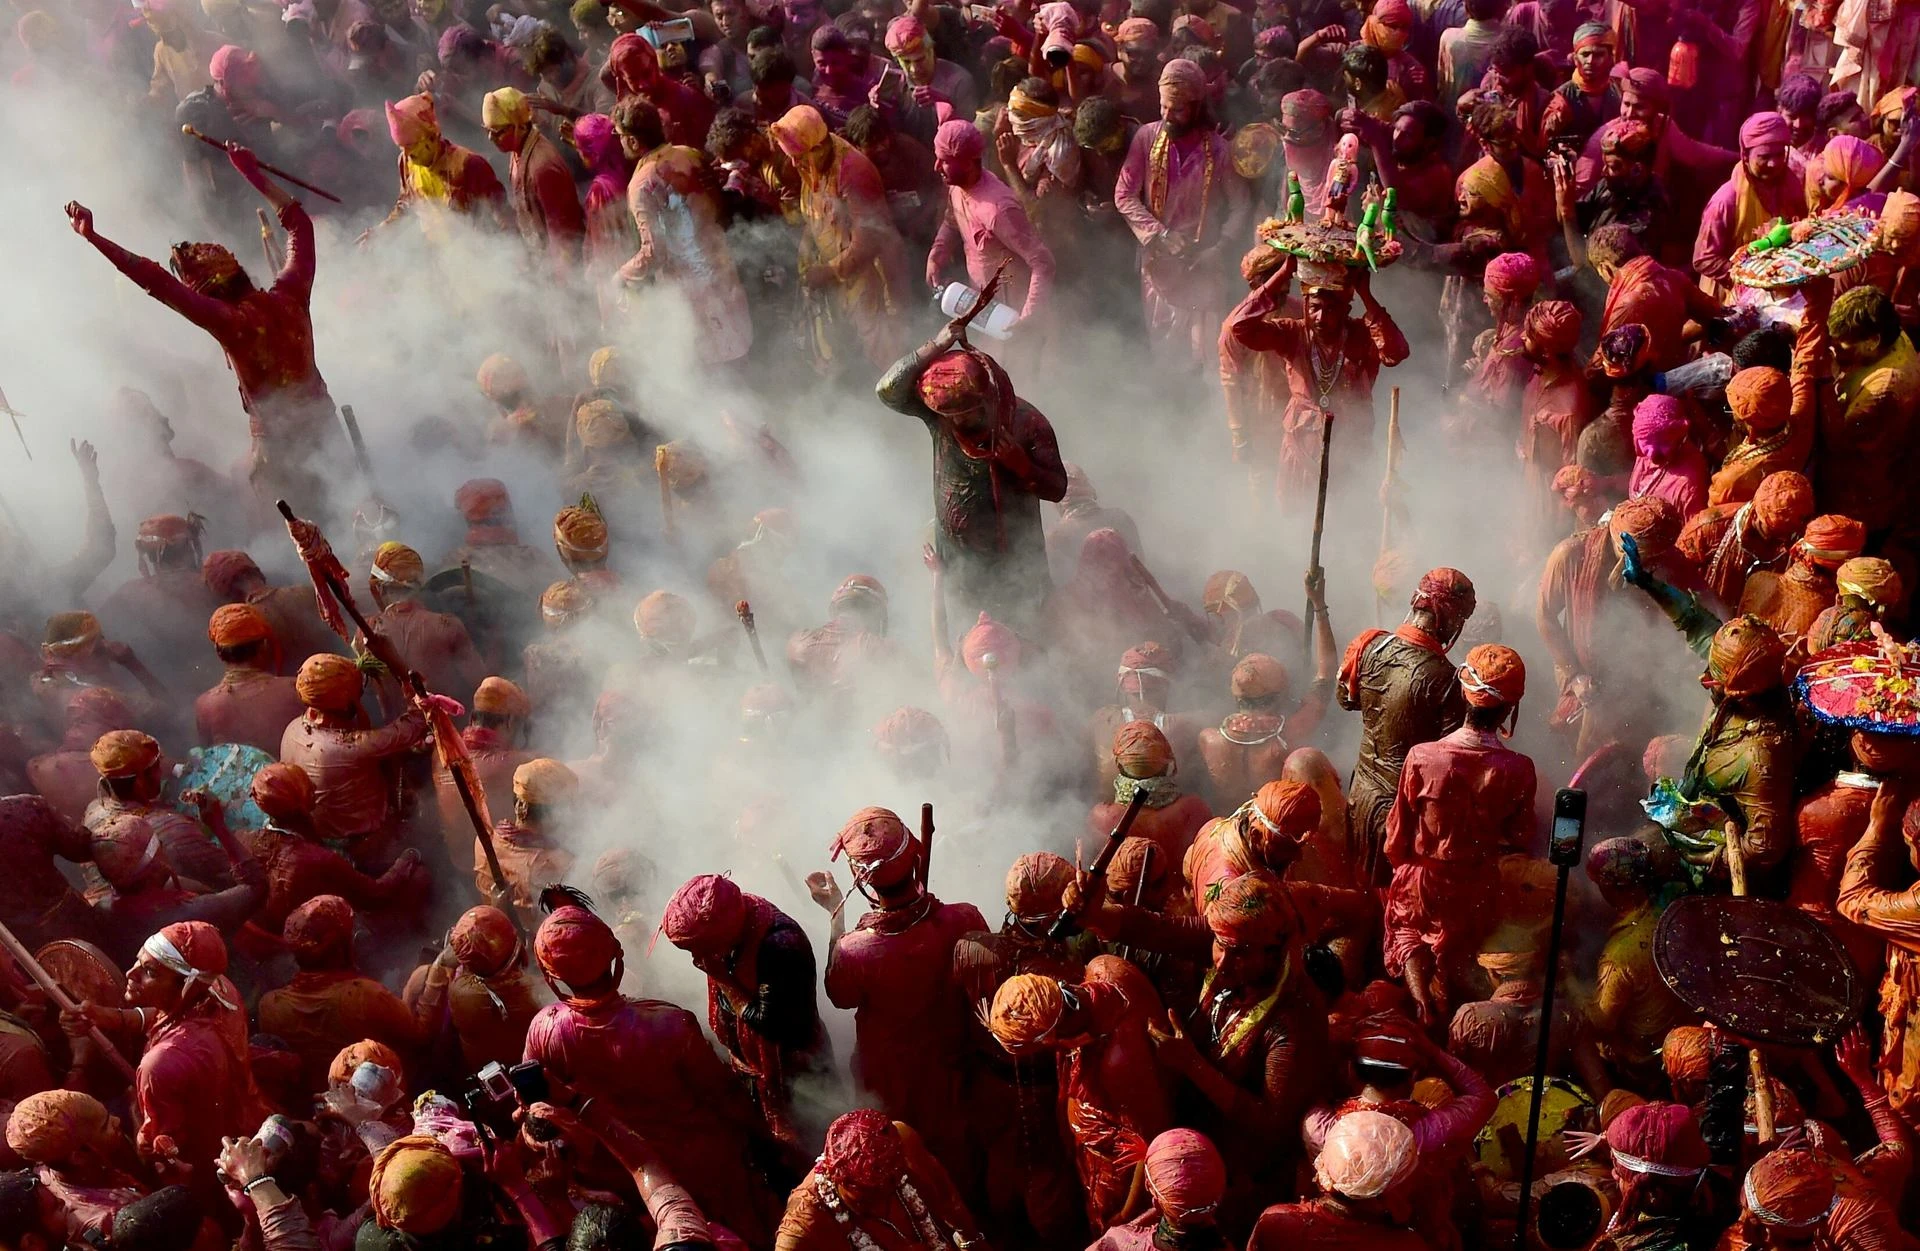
(343, 821)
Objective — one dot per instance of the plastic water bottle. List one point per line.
(995, 321)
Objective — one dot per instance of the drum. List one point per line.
(1501, 1144)
(1760, 968)
(225, 771)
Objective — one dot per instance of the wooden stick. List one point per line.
(267, 246)
(275, 170)
(1386, 486)
(31, 967)
(1762, 1086)
(744, 611)
(1319, 514)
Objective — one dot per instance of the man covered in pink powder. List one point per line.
(987, 225)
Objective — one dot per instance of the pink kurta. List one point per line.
(1184, 187)
(991, 229)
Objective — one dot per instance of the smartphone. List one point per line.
(1569, 827)
(529, 1082)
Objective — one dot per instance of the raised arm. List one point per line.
(204, 311)
(96, 553)
(1249, 324)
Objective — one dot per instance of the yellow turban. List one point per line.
(600, 424)
(415, 1186)
(396, 562)
(603, 367)
(48, 1127)
(506, 107)
(328, 682)
(124, 753)
(544, 781)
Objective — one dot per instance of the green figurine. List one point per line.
(1363, 238)
(1296, 199)
(1779, 236)
(1389, 224)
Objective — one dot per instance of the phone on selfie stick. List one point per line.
(1563, 852)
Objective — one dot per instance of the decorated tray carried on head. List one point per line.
(1793, 253)
(1333, 240)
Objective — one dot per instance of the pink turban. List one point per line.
(1185, 1174)
(1659, 427)
(1513, 275)
(412, 120)
(957, 140)
(905, 36)
(1137, 30)
(1181, 82)
(1555, 326)
(232, 69)
(1304, 107)
(707, 913)
(1763, 130)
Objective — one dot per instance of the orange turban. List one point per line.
(1026, 1009)
(1783, 503)
(1761, 398)
(353, 1055)
(501, 698)
(600, 424)
(544, 782)
(415, 1186)
(49, 1127)
(1746, 657)
(564, 601)
(1686, 1054)
(398, 563)
(1035, 885)
(483, 501)
(681, 463)
(580, 533)
(664, 615)
(989, 638)
(1792, 1188)
(1142, 751)
(70, 633)
(1446, 592)
(1229, 589)
(502, 379)
(124, 753)
(1493, 675)
(1259, 676)
(1831, 540)
(799, 130)
(1138, 869)
(236, 625)
(483, 940)
(328, 683)
(282, 790)
(1653, 523)
(1289, 808)
(1249, 911)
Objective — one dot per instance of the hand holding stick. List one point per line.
(61, 1000)
(275, 170)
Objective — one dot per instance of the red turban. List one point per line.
(989, 638)
(236, 625)
(366, 1051)
(1258, 676)
(1650, 85)
(1554, 326)
(1135, 29)
(483, 940)
(1793, 1188)
(859, 588)
(956, 381)
(1514, 275)
(576, 947)
(1761, 398)
(282, 791)
(1445, 592)
(1746, 657)
(1249, 911)
(1764, 130)
(483, 500)
(319, 925)
(864, 1151)
(502, 379)
(1654, 524)
(707, 914)
(1832, 540)
(124, 753)
(412, 120)
(1149, 660)
(1035, 884)
(907, 730)
(1288, 808)
(875, 841)
(1658, 1138)
(1493, 675)
(195, 951)
(1141, 750)
(1184, 82)
(1185, 1174)
(1782, 504)
(1387, 1039)
(223, 571)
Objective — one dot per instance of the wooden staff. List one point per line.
(1319, 515)
(352, 424)
(1166, 602)
(31, 967)
(275, 170)
(926, 844)
(15, 419)
(744, 611)
(1762, 1086)
(660, 455)
(268, 247)
(1063, 925)
(1386, 485)
(1003, 722)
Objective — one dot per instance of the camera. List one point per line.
(497, 1092)
(1569, 826)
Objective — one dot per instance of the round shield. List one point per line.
(1864, 686)
(225, 771)
(1759, 968)
(1501, 1144)
(83, 970)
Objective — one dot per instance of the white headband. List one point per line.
(161, 951)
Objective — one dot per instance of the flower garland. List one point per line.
(829, 1196)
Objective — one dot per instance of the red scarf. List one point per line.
(1350, 663)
